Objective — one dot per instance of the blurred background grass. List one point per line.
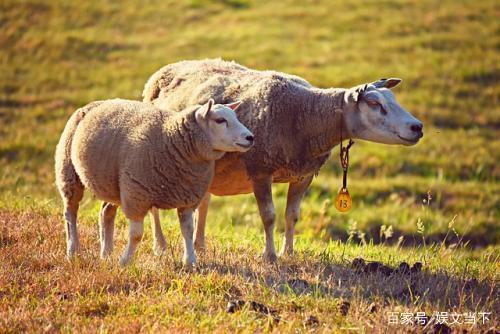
(58, 55)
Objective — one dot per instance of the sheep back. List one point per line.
(275, 105)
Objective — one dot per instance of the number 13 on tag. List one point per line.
(343, 202)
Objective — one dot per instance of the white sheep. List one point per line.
(296, 126)
(134, 155)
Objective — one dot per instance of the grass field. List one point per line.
(58, 55)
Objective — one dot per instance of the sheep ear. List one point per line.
(205, 109)
(209, 106)
(233, 105)
(387, 83)
(355, 94)
(202, 112)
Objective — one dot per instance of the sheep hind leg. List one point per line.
(201, 219)
(159, 242)
(136, 230)
(106, 228)
(263, 194)
(72, 240)
(71, 204)
(295, 195)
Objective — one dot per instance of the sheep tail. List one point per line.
(67, 180)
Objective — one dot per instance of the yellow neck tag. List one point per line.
(343, 202)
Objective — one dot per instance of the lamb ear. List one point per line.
(204, 110)
(210, 103)
(387, 83)
(234, 105)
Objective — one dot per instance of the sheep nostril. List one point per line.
(249, 138)
(417, 127)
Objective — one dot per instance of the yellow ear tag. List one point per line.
(343, 202)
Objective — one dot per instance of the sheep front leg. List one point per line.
(296, 191)
(106, 228)
(136, 230)
(263, 194)
(187, 227)
(201, 219)
(159, 242)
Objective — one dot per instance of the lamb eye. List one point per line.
(220, 120)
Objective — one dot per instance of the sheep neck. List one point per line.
(325, 125)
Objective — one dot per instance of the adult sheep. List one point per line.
(296, 126)
(132, 154)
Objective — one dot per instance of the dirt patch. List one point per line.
(234, 306)
(99, 310)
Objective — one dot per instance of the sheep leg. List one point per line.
(72, 240)
(186, 220)
(106, 228)
(72, 193)
(136, 230)
(201, 219)
(159, 242)
(263, 194)
(296, 191)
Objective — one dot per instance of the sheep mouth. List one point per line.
(412, 140)
(245, 146)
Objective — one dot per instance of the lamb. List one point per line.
(137, 156)
(296, 126)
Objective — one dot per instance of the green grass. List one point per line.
(56, 56)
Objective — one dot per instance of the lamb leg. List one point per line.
(263, 194)
(136, 230)
(73, 243)
(296, 191)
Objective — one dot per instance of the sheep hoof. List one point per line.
(270, 257)
(73, 251)
(159, 249)
(188, 261)
(188, 264)
(199, 247)
(286, 252)
(124, 261)
(105, 254)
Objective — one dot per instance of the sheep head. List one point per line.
(223, 129)
(372, 113)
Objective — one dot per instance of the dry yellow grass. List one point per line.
(41, 291)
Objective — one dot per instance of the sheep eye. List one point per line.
(373, 103)
(220, 120)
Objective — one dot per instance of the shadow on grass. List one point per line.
(488, 235)
(342, 280)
